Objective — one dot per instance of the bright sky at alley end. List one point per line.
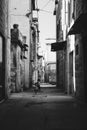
(46, 20)
(47, 26)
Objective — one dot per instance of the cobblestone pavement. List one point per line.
(42, 111)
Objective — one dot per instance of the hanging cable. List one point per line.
(45, 11)
(42, 9)
(46, 4)
(17, 15)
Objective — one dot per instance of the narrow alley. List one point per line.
(46, 110)
(43, 64)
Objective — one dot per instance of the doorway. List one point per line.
(71, 83)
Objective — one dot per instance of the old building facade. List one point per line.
(60, 51)
(79, 31)
(4, 49)
(80, 47)
(34, 27)
(19, 78)
(50, 72)
(18, 48)
(72, 15)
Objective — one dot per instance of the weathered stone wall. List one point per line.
(60, 54)
(2, 17)
(4, 32)
(79, 72)
(80, 64)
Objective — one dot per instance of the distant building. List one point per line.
(50, 59)
(50, 72)
(41, 67)
(50, 56)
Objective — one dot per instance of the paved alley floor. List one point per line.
(46, 85)
(42, 111)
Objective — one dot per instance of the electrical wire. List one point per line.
(17, 15)
(45, 11)
(42, 9)
(46, 4)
